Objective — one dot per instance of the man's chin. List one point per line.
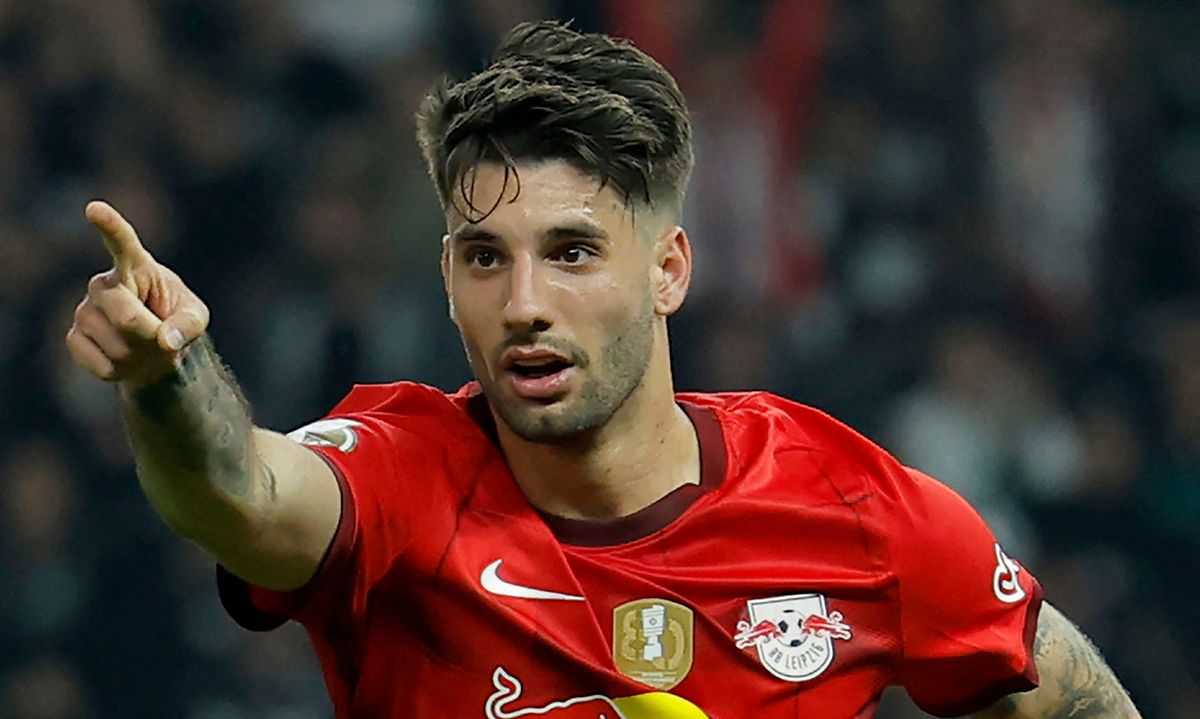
(542, 421)
(512, 402)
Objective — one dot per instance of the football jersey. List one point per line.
(804, 573)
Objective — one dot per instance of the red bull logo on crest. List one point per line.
(814, 624)
(752, 636)
(793, 635)
(505, 703)
(831, 626)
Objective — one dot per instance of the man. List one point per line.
(567, 537)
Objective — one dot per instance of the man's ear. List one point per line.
(672, 272)
(446, 275)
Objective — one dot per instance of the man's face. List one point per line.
(551, 293)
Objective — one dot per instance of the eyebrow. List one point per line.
(580, 228)
(468, 232)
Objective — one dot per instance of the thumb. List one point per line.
(182, 327)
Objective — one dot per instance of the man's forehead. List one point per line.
(533, 191)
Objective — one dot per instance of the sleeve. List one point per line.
(968, 613)
(378, 464)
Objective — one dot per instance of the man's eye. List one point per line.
(575, 254)
(482, 257)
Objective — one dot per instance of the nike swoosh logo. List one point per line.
(491, 581)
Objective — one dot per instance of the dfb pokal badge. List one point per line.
(793, 635)
(652, 641)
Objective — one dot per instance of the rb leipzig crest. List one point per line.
(793, 635)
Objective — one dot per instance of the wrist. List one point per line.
(158, 387)
(146, 378)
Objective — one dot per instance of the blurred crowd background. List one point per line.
(969, 229)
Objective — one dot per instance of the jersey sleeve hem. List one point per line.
(1023, 682)
(262, 610)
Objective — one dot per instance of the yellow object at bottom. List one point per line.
(658, 705)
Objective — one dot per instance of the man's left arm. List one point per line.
(1074, 682)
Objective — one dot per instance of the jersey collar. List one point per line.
(649, 519)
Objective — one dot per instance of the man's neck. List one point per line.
(648, 449)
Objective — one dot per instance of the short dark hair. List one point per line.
(596, 102)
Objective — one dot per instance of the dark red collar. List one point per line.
(650, 519)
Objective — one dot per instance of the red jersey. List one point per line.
(807, 571)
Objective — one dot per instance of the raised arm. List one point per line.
(260, 504)
(1075, 683)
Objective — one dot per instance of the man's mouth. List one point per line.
(539, 368)
(537, 374)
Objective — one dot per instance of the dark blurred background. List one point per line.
(967, 228)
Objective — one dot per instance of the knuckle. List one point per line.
(118, 313)
(85, 318)
(90, 320)
(198, 313)
(100, 282)
(99, 366)
(202, 312)
(83, 312)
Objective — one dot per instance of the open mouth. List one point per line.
(538, 374)
(536, 369)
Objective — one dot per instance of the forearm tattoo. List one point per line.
(1075, 683)
(193, 426)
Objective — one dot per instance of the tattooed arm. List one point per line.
(1074, 682)
(263, 506)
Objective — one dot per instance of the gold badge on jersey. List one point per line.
(652, 641)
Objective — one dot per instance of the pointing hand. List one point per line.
(136, 317)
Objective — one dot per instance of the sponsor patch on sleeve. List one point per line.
(337, 433)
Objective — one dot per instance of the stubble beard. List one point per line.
(621, 370)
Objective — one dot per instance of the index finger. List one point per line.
(120, 238)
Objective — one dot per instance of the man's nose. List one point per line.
(526, 308)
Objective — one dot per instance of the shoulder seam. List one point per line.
(851, 503)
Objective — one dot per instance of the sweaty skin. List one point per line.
(564, 265)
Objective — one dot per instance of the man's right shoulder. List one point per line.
(403, 415)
